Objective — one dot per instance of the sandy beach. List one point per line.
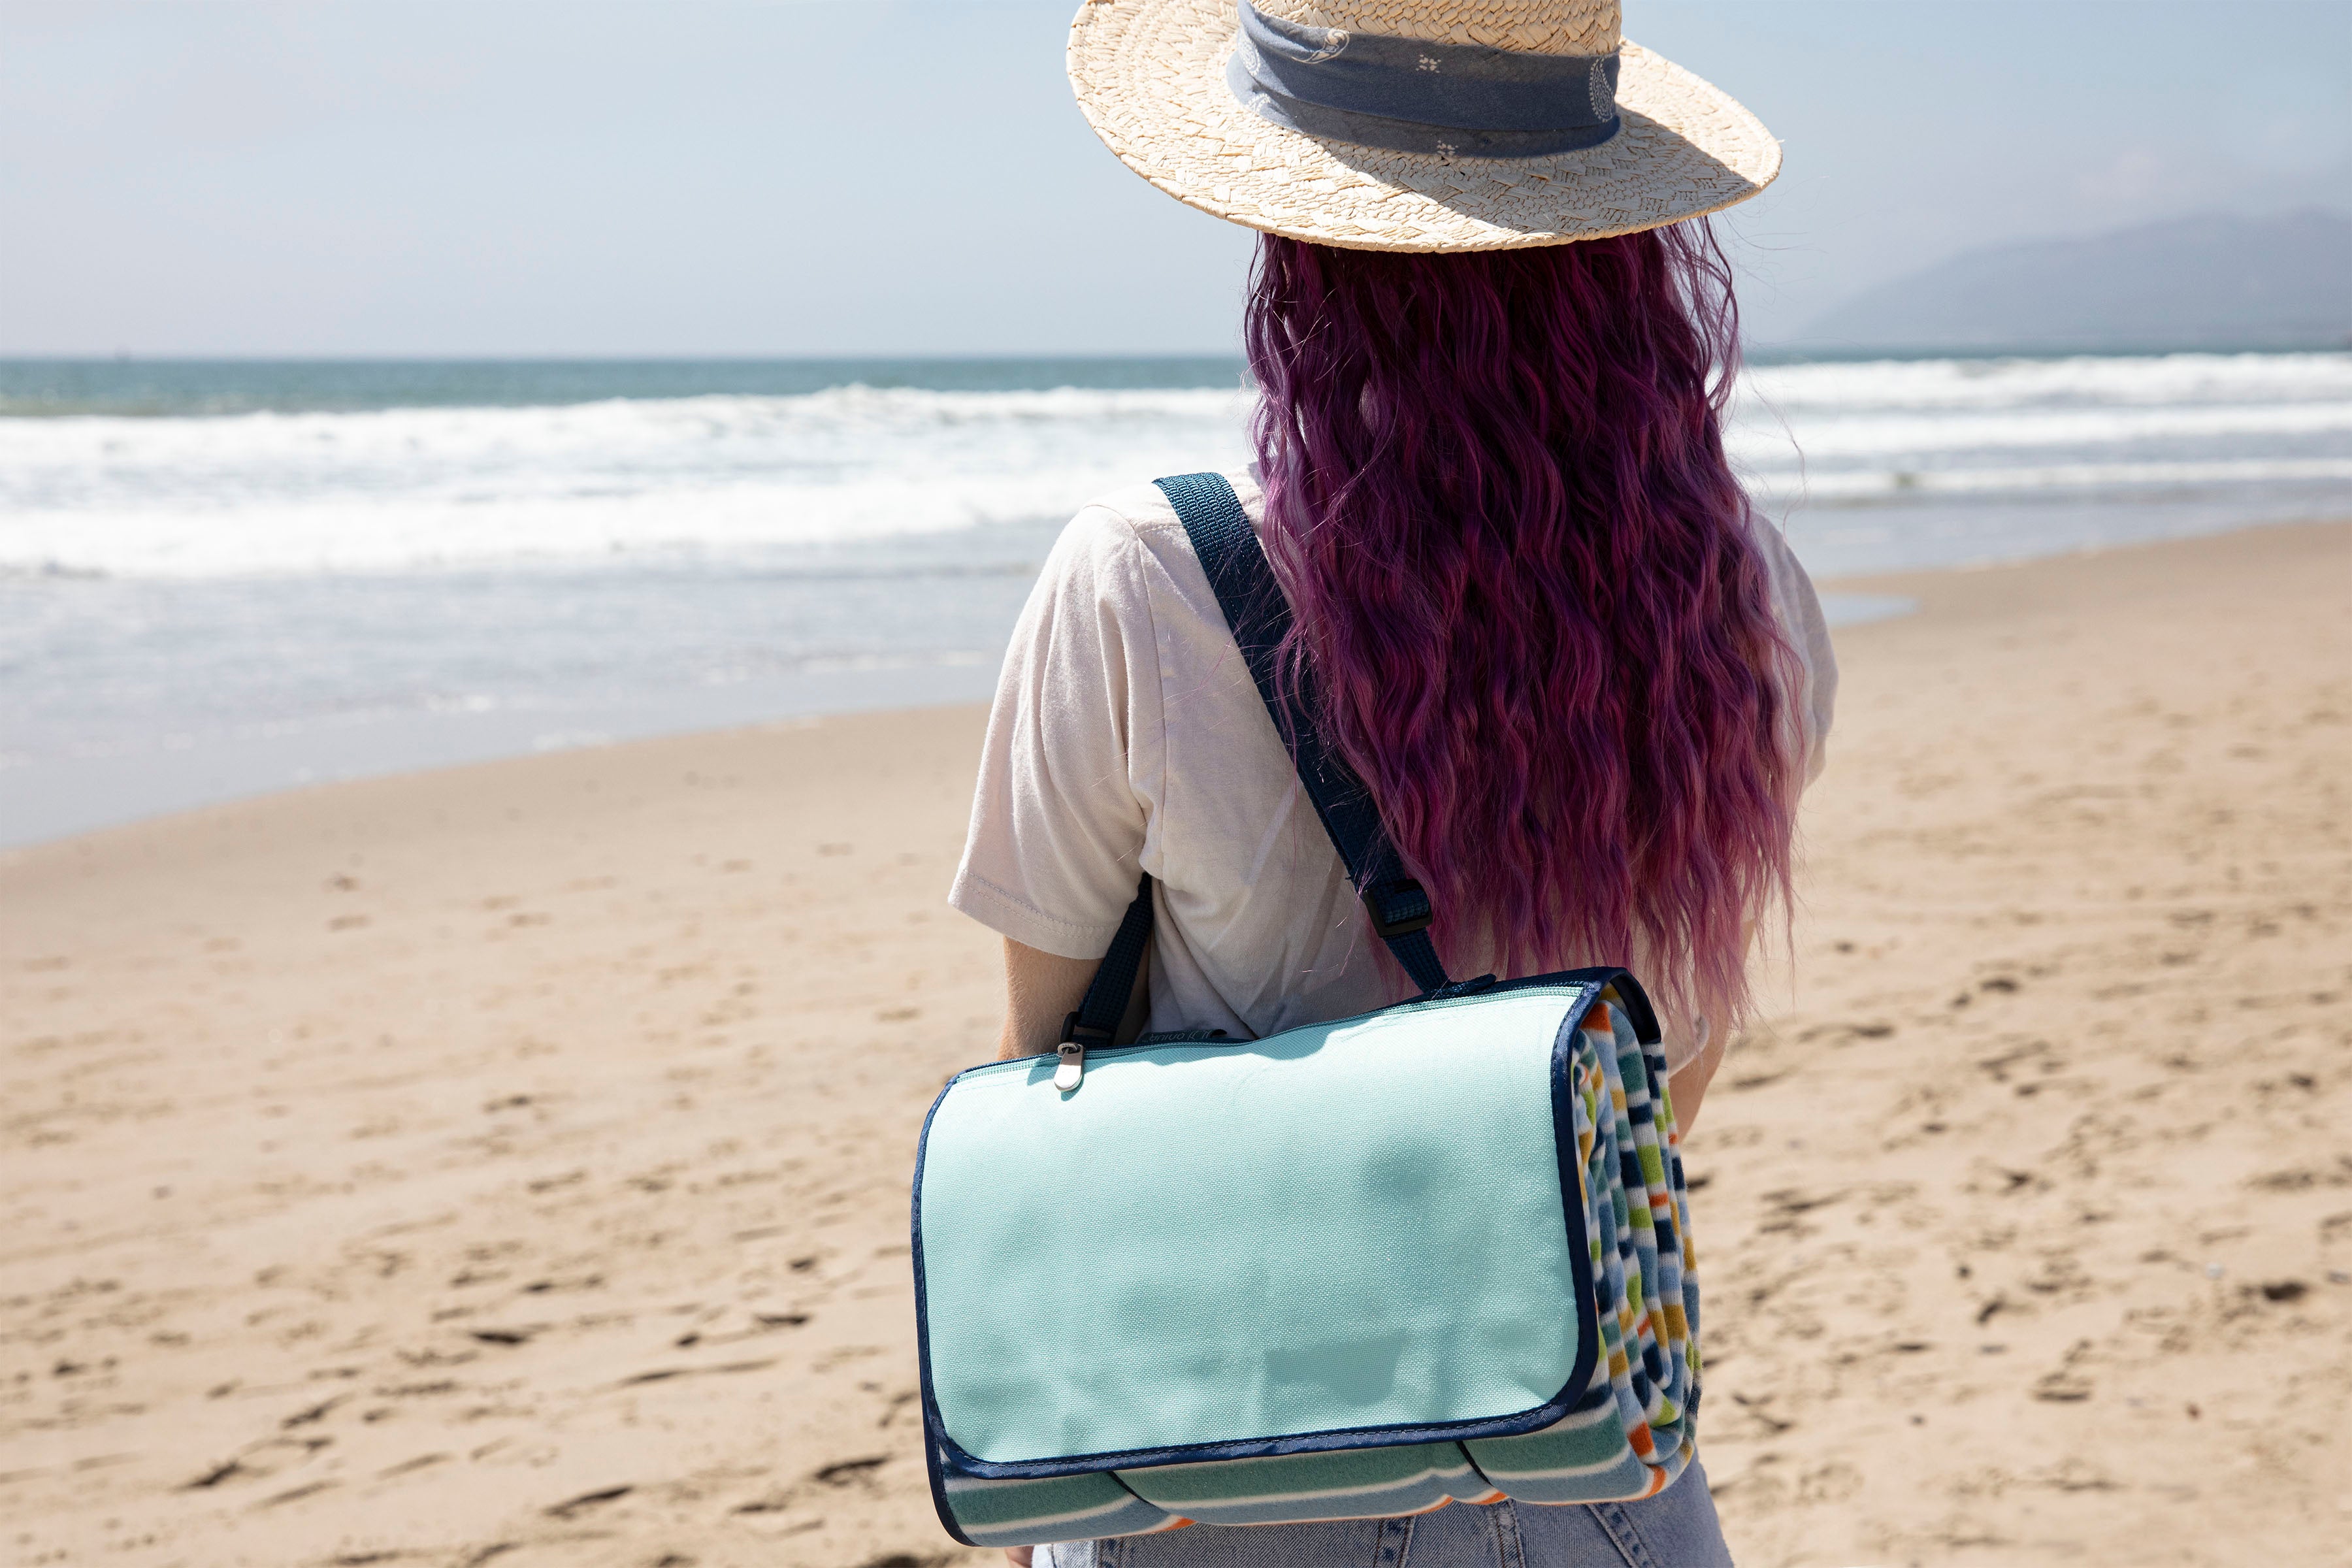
(509, 1164)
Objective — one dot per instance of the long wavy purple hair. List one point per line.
(1523, 575)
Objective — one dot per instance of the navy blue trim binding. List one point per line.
(1638, 1011)
(1260, 618)
(934, 1429)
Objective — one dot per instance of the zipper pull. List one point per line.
(1073, 1051)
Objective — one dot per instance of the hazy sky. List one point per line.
(909, 176)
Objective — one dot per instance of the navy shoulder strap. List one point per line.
(1260, 618)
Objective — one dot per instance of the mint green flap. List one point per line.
(1356, 1224)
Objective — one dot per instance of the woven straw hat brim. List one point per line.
(1150, 79)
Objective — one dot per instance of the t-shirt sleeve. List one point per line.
(1058, 821)
(1799, 608)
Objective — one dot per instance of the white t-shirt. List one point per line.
(1128, 735)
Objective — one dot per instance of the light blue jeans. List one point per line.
(1676, 1528)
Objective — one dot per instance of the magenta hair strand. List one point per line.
(1525, 579)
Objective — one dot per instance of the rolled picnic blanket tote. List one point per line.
(1435, 1253)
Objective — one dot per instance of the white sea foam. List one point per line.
(2187, 378)
(426, 488)
(204, 604)
(1990, 436)
(729, 477)
(2060, 477)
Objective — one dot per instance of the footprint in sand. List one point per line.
(851, 1472)
(571, 1506)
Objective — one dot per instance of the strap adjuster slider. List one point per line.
(1398, 908)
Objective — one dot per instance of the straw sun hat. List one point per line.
(1412, 124)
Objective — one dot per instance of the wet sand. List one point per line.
(509, 1164)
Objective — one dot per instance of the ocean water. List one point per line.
(217, 579)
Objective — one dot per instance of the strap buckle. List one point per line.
(1398, 908)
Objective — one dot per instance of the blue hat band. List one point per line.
(1406, 95)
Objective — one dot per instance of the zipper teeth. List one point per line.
(1530, 987)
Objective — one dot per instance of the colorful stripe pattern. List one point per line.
(1645, 1289)
(1630, 1436)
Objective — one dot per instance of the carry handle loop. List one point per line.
(1259, 615)
(1096, 1023)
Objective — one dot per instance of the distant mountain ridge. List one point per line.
(2208, 282)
